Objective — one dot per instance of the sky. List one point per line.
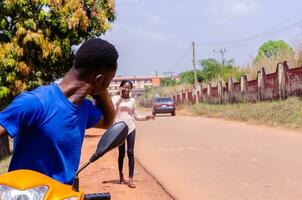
(157, 35)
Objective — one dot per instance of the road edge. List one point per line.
(156, 179)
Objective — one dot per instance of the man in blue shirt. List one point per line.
(48, 123)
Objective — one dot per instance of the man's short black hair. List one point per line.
(96, 55)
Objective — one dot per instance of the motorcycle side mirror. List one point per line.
(113, 137)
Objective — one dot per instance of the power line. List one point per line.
(266, 33)
(181, 59)
(277, 32)
(257, 36)
(272, 33)
(246, 41)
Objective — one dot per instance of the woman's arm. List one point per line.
(138, 117)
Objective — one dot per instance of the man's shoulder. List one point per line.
(44, 89)
(31, 96)
(43, 96)
(44, 93)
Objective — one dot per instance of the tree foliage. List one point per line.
(212, 69)
(167, 81)
(36, 38)
(188, 76)
(273, 48)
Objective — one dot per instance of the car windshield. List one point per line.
(163, 100)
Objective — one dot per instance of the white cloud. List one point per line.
(242, 7)
(222, 11)
(150, 18)
(142, 32)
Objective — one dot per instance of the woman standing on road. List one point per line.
(125, 110)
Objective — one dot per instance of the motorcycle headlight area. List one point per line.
(9, 193)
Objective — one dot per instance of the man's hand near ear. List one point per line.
(104, 103)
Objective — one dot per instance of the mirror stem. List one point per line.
(94, 157)
(75, 185)
(83, 167)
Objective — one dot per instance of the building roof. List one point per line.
(119, 78)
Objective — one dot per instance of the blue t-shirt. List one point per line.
(48, 131)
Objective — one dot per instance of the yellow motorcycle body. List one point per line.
(37, 186)
(31, 185)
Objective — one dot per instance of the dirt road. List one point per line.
(210, 159)
(102, 176)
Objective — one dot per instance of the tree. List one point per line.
(230, 71)
(188, 76)
(36, 37)
(167, 81)
(273, 48)
(211, 68)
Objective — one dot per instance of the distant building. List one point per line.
(139, 84)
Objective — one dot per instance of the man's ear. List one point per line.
(99, 79)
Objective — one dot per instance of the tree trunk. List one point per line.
(4, 147)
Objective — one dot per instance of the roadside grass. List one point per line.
(286, 113)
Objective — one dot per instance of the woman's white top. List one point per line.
(125, 111)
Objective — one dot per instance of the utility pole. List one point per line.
(222, 52)
(155, 89)
(195, 73)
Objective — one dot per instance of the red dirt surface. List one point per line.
(102, 176)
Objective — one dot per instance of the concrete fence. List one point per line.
(284, 82)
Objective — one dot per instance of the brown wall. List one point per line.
(282, 83)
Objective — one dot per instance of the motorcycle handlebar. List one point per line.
(97, 196)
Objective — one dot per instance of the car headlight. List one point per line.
(9, 193)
